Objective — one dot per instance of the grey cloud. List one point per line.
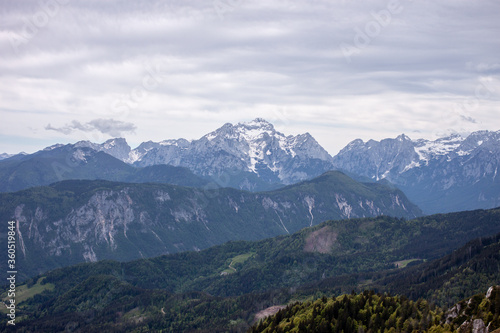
(69, 128)
(294, 39)
(260, 55)
(106, 126)
(468, 119)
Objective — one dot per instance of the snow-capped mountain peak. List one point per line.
(253, 147)
(255, 130)
(57, 145)
(249, 131)
(428, 150)
(480, 139)
(257, 123)
(432, 171)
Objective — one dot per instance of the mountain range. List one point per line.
(448, 174)
(65, 162)
(207, 208)
(253, 148)
(5, 155)
(82, 220)
(226, 287)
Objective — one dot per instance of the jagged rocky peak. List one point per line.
(354, 144)
(306, 145)
(116, 147)
(377, 159)
(249, 131)
(258, 123)
(302, 145)
(416, 152)
(261, 140)
(255, 149)
(254, 146)
(466, 163)
(403, 137)
(49, 148)
(148, 145)
(360, 144)
(116, 143)
(478, 139)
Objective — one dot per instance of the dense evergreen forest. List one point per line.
(224, 288)
(370, 312)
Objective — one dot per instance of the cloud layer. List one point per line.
(337, 69)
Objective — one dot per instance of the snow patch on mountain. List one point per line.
(430, 149)
(254, 147)
(80, 155)
(440, 175)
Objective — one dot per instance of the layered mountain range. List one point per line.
(254, 149)
(448, 174)
(82, 220)
(3, 156)
(65, 162)
(180, 198)
(229, 287)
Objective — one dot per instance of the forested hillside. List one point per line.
(85, 221)
(370, 312)
(227, 287)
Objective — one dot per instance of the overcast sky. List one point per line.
(155, 70)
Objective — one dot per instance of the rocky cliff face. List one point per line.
(76, 221)
(478, 314)
(448, 174)
(117, 147)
